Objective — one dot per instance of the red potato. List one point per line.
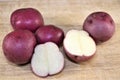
(47, 60)
(50, 33)
(79, 46)
(26, 18)
(18, 46)
(100, 26)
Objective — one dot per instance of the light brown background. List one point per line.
(66, 14)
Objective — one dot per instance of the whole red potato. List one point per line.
(50, 33)
(18, 46)
(100, 26)
(26, 18)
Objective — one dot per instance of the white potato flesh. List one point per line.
(47, 59)
(79, 43)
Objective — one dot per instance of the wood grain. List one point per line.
(66, 14)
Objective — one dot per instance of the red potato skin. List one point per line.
(100, 26)
(26, 18)
(75, 58)
(48, 74)
(18, 46)
(50, 33)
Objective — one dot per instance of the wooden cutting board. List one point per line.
(66, 14)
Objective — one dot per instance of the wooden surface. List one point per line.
(66, 14)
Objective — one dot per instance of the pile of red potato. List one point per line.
(32, 41)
